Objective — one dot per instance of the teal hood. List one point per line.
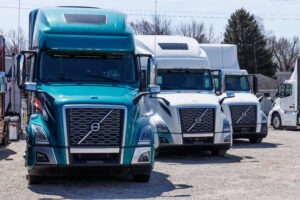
(90, 94)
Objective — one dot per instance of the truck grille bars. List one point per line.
(197, 120)
(243, 115)
(95, 126)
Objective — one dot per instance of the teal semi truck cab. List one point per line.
(85, 101)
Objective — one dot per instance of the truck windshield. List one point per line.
(184, 79)
(237, 83)
(89, 68)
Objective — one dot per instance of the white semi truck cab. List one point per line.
(243, 111)
(285, 109)
(188, 112)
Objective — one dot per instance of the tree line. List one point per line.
(257, 51)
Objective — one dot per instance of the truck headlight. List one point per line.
(40, 136)
(161, 127)
(145, 136)
(226, 126)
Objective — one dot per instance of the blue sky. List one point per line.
(279, 17)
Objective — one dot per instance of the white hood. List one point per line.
(242, 98)
(190, 99)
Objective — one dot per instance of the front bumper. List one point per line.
(202, 147)
(80, 170)
(249, 135)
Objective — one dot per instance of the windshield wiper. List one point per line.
(103, 78)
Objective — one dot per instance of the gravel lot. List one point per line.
(270, 170)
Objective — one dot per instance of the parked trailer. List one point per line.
(188, 113)
(10, 98)
(85, 110)
(244, 112)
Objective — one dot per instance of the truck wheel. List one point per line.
(276, 121)
(156, 154)
(141, 178)
(5, 140)
(219, 152)
(255, 140)
(34, 179)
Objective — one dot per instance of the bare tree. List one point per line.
(197, 31)
(142, 27)
(159, 25)
(162, 25)
(12, 42)
(285, 52)
(194, 30)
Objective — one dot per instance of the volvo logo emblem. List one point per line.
(198, 119)
(244, 115)
(95, 127)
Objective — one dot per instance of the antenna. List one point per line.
(155, 16)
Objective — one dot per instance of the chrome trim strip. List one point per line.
(198, 135)
(94, 150)
(94, 106)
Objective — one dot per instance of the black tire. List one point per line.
(255, 140)
(34, 179)
(219, 152)
(276, 121)
(156, 154)
(5, 140)
(144, 178)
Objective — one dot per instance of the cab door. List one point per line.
(288, 106)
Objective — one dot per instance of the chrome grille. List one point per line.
(80, 130)
(197, 120)
(243, 115)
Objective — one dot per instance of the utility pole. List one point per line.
(19, 46)
(254, 52)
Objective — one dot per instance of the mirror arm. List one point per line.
(139, 96)
(164, 100)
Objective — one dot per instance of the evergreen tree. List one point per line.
(253, 55)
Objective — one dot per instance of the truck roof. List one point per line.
(172, 51)
(221, 56)
(79, 28)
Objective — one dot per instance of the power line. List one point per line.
(183, 14)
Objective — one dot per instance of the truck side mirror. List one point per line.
(228, 95)
(280, 90)
(3, 84)
(217, 81)
(30, 86)
(21, 74)
(154, 89)
(255, 84)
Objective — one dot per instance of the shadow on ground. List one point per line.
(5, 152)
(192, 156)
(105, 187)
(245, 144)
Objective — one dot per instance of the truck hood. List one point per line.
(90, 94)
(241, 98)
(190, 99)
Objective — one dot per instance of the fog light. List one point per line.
(227, 138)
(145, 157)
(40, 157)
(163, 140)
